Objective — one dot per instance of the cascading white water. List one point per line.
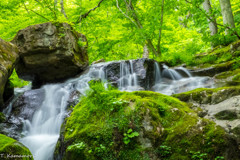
(42, 132)
(128, 78)
(173, 82)
(157, 73)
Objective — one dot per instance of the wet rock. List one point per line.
(8, 59)
(23, 108)
(144, 69)
(50, 52)
(74, 98)
(213, 70)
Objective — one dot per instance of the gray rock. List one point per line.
(50, 52)
(22, 109)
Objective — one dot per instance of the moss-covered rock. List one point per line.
(226, 115)
(8, 59)
(50, 52)
(208, 95)
(12, 149)
(139, 125)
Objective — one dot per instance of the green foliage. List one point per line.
(129, 135)
(112, 35)
(219, 158)
(198, 155)
(16, 82)
(164, 151)
(77, 147)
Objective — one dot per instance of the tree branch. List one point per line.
(125, 14)
(39, 15)
(87, 13)
(137, 23)
(25, 7)
(53, 11)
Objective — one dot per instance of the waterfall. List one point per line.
(42, 131)
(157, 73)
(178, 80)
(128, 78)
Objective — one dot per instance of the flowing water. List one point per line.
(42, 132)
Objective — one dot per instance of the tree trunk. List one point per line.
(212, 23)
(227, 13)
(62, 9)
(145, 51)
(160, 31)
(135, 17)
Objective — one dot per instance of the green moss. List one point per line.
(10, 147)
(2, 117)
(227, 74)
(208, 95)
(99, 122)
(219, 55)
(226, 115)
(16, 82)
(236, 78)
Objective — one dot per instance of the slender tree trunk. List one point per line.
(62, 9)
(55, 4)
(160, 30)
(212, 22)
(139, 25)
(227, 13)
(145, 51)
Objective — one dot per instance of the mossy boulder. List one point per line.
(12, 149)
(208, 95)
(109, 124)
(8, 59)
(50, 52)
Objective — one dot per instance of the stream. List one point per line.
(41, 132)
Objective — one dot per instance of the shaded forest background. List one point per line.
(171, 30)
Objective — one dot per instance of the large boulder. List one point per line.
(8, 59)
(109, 124)
(50, 52)
(12, 149)
(222, 105)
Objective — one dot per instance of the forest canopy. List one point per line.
(166, 30)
